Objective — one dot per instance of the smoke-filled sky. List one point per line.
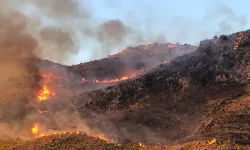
(74, 31)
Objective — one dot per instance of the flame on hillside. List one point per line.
(171, 45)
(103, 138)
(35, 129)
(45, 93)
(211, 141)
(142, 145)
(126, 77)
(51, 76)
(237, 40)
(114, 80)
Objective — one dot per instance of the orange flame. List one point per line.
(164, 62)
(35, 129)
(126, 77)
(212, 141)
(141, 145)
(171, 45)
(114, 80)
(104, 138)
(237, 40)
(45, 93)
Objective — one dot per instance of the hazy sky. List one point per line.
(173, 18)
(183, 21)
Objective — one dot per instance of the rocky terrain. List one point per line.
(198, 100)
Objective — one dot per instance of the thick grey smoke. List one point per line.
(112, 31)
(17, 49)
(61, 8)
(54, 42)
(58, 43)
(20, 72)
(109, 34)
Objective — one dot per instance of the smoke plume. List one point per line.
(60, 43)
(18, 50)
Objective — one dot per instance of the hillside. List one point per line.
(127, 64)
(131, 61)
(182, 100)
(199, 100)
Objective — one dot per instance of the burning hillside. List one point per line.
(165, 102)
(130, 62)
(157, 104)
(155, 96)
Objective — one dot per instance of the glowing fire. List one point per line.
(164, 62)
(45, 93)
(35, 129)
(141, 145)
(126, 77)
(171, 45)
(212, 141)
(104, 138)
(237, 40)
(50, 75)
(113, 80)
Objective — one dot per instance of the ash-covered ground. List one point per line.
(198, 96)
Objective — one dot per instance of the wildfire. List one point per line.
(41, 111)
(141, 145)
(164, 62)
(50, 75)
(237, 40)
(113, 80)
(45, 93)
(212, 141)
(35, 129)
(126, 77)
(171, 45)
(104, 138)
